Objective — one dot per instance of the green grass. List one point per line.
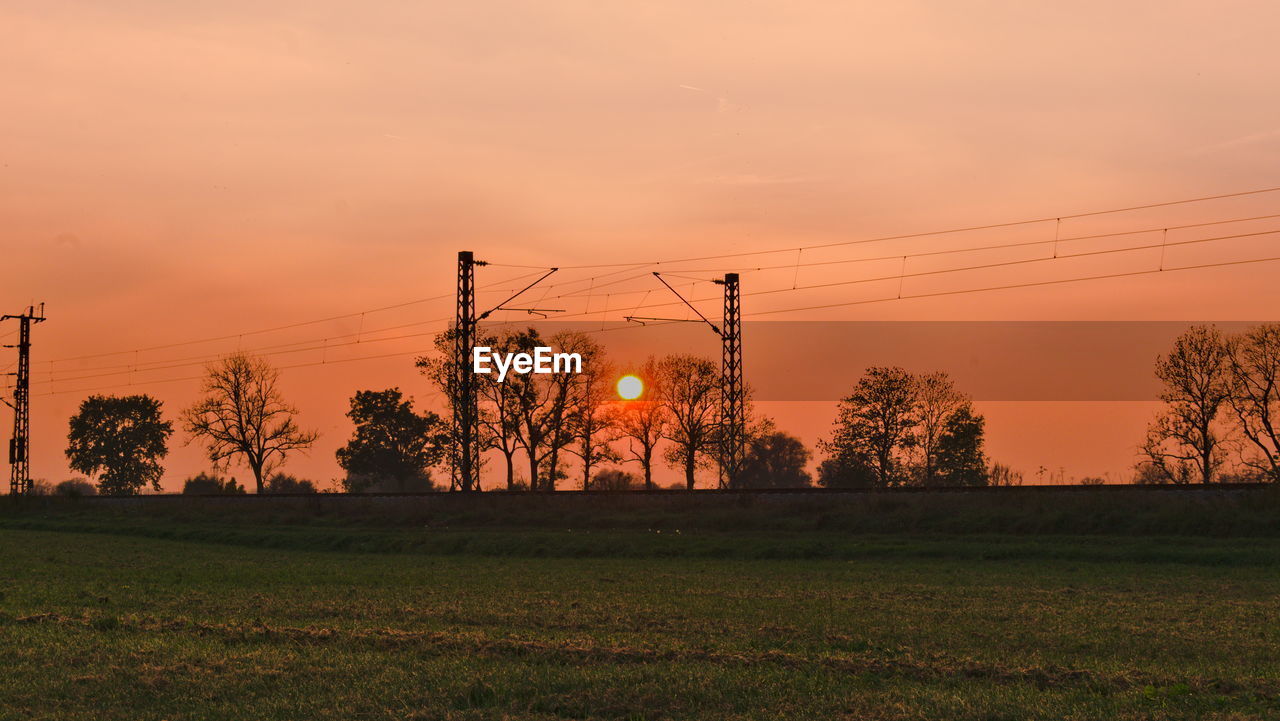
(147, 619)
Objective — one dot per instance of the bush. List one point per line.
(361, 483)
(614, 479)
(75, 488)
(285, 483)
(774, 460)
(206, 484)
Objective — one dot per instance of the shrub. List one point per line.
(614, 479)
(285, 483)
(75, 488)
(206, 484)
(362, 483)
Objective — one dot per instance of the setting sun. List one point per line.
(630, 387)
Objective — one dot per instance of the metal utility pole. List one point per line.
(466, 407)
(733, 405)
(732, 392)
(466, 411)
(20, 442)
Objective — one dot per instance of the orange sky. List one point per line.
(173, 171)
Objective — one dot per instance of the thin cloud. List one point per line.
(754, 179)
(1240, 141)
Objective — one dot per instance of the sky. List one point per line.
(173, 171)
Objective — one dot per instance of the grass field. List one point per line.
(113, 622)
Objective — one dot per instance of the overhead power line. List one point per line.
(594, 287)
(274, 329)
(984, 266)
(900, 276)
(949, 231)
(823, 306)
(1028, 284)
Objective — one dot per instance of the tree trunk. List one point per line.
(257, 475)
(688, 469)
(648, 470)
(553, 468)
(533, 471)
(1206, 457)
(511, 481)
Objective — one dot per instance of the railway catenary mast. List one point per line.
(733, 421)
(732, 392)
(466, 412)
(20, 441)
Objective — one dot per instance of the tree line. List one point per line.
(547, 431)
(537, 425)
(1221, 396)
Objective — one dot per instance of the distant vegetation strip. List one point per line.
(675, 543)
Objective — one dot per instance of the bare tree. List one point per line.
(242, 414)
(1185, 442)
(498, 417)
(937, 400)
(571, 394)
(443, 371)
(594, 419)
(642, 422)
(1255, 395)
(691, 397)
(545, 404)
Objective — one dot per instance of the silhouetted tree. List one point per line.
(546, 403)
(498, 404)
(570, 390)
(393, 447)
(207, 484)
(937, 400)
(1255, 396)
(443, 373)
(243, 414)
(774, 459)
(960, 460)
(121, 439)
(691, 397)
(594, 419)
(642, 422)
(1184, 443)
(874, 427)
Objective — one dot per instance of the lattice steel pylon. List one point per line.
(20, 441)
(733, 430)
(466, 410)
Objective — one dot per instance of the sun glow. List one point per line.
(630, 387)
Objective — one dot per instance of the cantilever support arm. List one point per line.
(682, 300)
(517, 295)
